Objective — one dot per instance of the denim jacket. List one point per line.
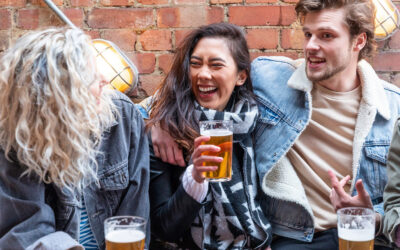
(34, 215)
(283, 91)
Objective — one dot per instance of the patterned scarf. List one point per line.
(231, 217)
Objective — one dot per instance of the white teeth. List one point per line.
(206, 89)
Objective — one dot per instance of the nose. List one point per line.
(311, 44)
(204, 73)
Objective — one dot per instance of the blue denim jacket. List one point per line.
(283, 92)
(35, 215)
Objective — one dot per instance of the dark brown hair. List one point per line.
(173, 103)
(359, 18)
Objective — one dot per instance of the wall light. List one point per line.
(387, 19)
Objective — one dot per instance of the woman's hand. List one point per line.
(199, 159)
(165, 147)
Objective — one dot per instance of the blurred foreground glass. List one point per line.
(356, 228)
(125, 233)
(221, 133)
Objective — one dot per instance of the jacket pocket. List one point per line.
(114, 183)
(376, 158)
(115, 177)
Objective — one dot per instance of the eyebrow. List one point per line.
(212, 59)
(320, 28)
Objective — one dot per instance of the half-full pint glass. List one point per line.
(221, 135)
(356, 228)
(125, 233)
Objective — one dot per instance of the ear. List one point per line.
(242, 76)
(359, 42)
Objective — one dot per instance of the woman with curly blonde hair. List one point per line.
(67, 148)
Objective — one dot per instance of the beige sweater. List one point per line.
(325, 144)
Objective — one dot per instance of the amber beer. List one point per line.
(356, 228)
(356, 239)
(125, 233)
(125, 240)
(221, 135)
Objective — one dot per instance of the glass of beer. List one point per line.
(125, 233)
(356, 228)
(221, 135)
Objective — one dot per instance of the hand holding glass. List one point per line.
(125, 233)
(221, 135)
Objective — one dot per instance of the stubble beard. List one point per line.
(325, 75)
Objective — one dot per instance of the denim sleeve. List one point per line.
(24, 215)
(136, 200)
(57, 240)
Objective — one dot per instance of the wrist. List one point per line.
(198, 177)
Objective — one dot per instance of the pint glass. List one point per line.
(221, 135)
(356, 228)
(125, 233)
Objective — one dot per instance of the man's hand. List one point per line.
(339, 197)
(165, 147)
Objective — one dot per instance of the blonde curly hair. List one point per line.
(48, 116)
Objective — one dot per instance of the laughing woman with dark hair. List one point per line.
(209, 80)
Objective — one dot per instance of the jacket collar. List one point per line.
(373, 92)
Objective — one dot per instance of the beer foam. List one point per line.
(357, 234)
(125, 236)
(216, 132)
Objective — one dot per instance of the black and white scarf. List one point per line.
(231, 217)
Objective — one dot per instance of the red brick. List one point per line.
(387, 61)
(153, 2)
(394, 41)
(43, 4)
(49, 18)
(28, 19)
(190, 16)
(156, 40)
(225, 1)
(14, 3)
(124, 39)
(180, 35)
(261, 15)
(262, 38)
(4, 39)
(189, 1)
(262, 1)
(5, 19)
(120, 18)
(292, 39)
(115, 2)
(75, 15)
(93, 33)
(145, 62)
(82, 3)
(150, 83)
(292, 55)
(165, 62)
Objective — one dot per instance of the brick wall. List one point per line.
(149, 30)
